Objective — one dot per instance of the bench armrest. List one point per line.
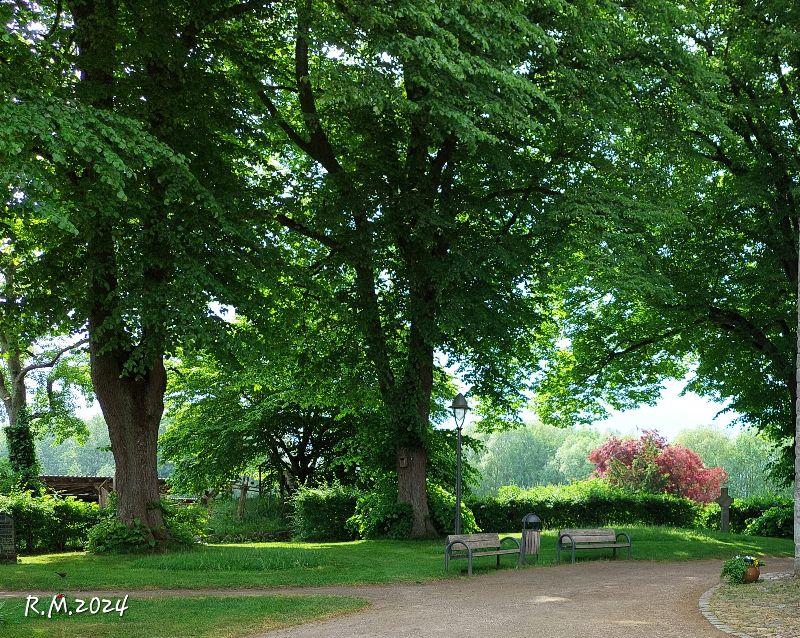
(562, 536)
(449, 549)
(509, 538)
(626, 535)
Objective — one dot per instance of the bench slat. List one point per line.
(497, 552)
(595, 545)
(475, 541)
(587, 536)
(578, 540)
(473, 537)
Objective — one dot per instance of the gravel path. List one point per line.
(601, 599)
(593, 599)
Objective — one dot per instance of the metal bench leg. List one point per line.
(615, 553)
(498, 561)
(629, 552)
(446, 561)
(558, 553)
(469, 564)
(573, 553)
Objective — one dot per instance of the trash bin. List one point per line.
(531, 537)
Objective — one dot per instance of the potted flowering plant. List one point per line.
(742, 569)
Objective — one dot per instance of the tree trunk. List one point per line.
(244, 487)
(412, 459)
(797, 439)
(19, 435)
(412, 488)
(132, 408)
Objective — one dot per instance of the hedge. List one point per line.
(47, 523)
(589, 503)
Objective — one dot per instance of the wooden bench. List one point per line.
(575, 539)
(470, 546)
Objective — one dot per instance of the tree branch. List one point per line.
(51, 362)
(733, 321)
(787, 93)
(304, 230)
(56, 21)
(320, 147)
(648, 341)
(192, 30)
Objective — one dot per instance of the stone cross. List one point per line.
(8, 545)
(725, 502)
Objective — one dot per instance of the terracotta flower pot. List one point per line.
(752, 574)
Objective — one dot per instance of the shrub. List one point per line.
(264, 519)
(379, 515)
(442, 506)
(587, 503)
(48, 523)
(112, 536)
(733, 569)
(321, 513)
(776, 521)
(742, 512)
(185, 524)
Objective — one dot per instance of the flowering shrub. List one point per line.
(650, 464)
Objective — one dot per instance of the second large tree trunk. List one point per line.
(132, 408)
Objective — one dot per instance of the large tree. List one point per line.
(423, 148)
(133, 131)
(700, 273)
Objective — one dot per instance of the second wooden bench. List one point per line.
(575, 539)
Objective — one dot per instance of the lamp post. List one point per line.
(459, 407)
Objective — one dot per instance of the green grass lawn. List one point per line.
(200, 617)
(314, 564)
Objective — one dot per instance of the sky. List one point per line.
(671, 414)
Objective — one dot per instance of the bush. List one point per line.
(742, 512)
(263, 520)
(584, 504)
(321, 513)
(442, 506)
(776, 521)
(48, 523)
(185, 525)
(112, 536)
(379, 515)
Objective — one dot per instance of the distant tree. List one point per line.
(650, 464)
(747, 458)
(534, 454)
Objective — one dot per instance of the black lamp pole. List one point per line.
(459, 408)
